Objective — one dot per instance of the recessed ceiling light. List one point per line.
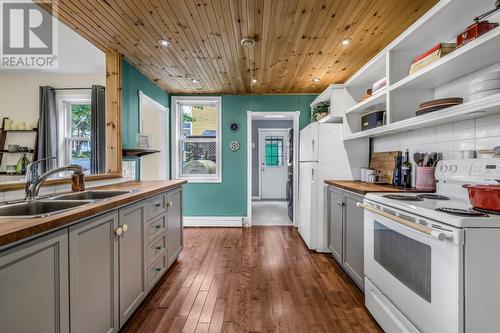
(194, 81)
(164, 42)
(248, 43)
(254, 81)
(346, 41)
(316, 79)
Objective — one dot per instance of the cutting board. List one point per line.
(384, 163)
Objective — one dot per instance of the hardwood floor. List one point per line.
(258, 279)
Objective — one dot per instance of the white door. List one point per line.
(273, 163)
(154, 122)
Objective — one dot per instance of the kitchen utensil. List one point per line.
(417, 158)
(484, 196)
(426, 180)
(383, 162)
(425, 159)
(438, 104)
(430, 159)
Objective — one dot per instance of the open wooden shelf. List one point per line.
(378, 98)
(138, 152)
(469, 110)
(471, 57)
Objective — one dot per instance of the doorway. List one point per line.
(271, 165)
(154, 122)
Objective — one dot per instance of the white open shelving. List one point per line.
(447, 77)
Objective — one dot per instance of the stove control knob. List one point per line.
(443, 168)
(453, 168)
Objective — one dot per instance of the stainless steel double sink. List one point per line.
(56, 204)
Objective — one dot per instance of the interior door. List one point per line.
(273, 163)
(154, 122)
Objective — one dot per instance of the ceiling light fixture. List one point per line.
(194, 81)
(164, 42)
(346, 41)
(254, 81)
(316, 79)
(247, 43)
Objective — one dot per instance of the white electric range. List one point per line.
(432, 263)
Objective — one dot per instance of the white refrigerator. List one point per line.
(323, 154)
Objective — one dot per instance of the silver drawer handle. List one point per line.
(415, 226)
(158, 205)
(340, 203)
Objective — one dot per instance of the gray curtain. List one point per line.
(98, 130)
(47, 129)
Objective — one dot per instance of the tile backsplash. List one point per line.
(472, 134)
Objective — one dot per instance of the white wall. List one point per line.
(19, 100)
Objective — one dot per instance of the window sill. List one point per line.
(201, 181)
(20, 185)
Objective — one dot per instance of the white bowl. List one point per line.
(485, 77)
(474, 97)
(484, 86)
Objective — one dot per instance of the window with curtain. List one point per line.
(75, 125)
(197, 151)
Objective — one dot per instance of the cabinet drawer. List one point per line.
(155, 227)
(156, 249)
(154, 206)
(156, 271)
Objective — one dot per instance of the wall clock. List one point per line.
(234, 145)
(235, 127)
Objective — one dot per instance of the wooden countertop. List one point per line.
(363, 188)
(16, 229)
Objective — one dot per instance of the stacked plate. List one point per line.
(438, 104)
(485, 85)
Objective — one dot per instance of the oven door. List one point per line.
(417, 265)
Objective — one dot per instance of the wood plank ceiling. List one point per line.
(297, 40)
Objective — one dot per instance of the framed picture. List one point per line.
(143, 141)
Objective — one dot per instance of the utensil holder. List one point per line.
(426, 181)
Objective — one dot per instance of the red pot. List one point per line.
(485, 196)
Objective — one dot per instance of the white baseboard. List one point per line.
(213, 221)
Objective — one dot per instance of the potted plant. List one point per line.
(320, 110)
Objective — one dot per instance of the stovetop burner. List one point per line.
(432, 196)
(403, 197)
(462, 212)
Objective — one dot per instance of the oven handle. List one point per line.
(415, 226)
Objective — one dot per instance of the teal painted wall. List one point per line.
(132, 82)
(229, 197)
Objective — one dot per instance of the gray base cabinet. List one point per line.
(346, 232)
(34, 286)
(131, 260)
(93, 275)
(174, 221)
(93, 271)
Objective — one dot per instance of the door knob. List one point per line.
(125, 228)
(169, 204)
(119, 231)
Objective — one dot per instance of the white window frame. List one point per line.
(64, 100)
(177, 119)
